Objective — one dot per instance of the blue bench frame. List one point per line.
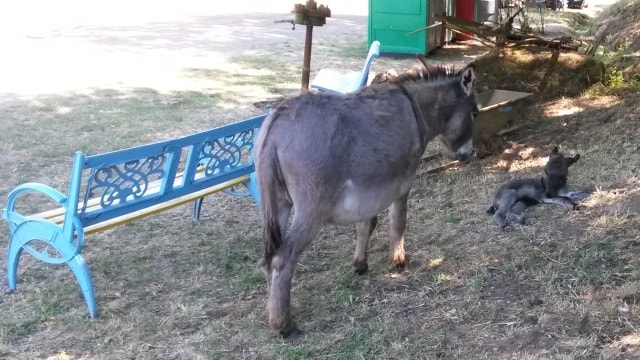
(337, 83)
(114, 188)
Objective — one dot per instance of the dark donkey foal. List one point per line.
(512, 199)
(345, 158)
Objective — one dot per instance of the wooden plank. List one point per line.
(430, 157)
(442, 168)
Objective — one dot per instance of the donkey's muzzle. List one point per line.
(461, 157)
(464, 152)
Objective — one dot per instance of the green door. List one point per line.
(391, 20)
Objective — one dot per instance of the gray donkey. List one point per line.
(344, 159)
(511, 199)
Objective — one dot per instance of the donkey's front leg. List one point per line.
(559, 200)
(575, 195)
(398, 223)
(364, 230)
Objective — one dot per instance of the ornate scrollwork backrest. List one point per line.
(117, 184)
(224, 154)
(123, 181)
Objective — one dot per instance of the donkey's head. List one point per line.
(556, 171)
(458, 132)
(450, 111)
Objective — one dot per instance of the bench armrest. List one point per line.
(56, 195)
(15, 219)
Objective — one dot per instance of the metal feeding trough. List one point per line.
(496, 111)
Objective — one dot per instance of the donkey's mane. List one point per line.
(428, 73)
(424, 71)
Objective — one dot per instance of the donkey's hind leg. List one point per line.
(364, 230)
(304, 228)
(283, 212)
(500, 218)
(516, 213)
(503, 203)
(398, 223)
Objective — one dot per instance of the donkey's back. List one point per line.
(345, 157)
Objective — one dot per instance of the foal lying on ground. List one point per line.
(513, 198)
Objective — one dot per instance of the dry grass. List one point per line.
(564, 286)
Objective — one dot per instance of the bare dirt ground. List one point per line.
(70, 46)
(564, 286)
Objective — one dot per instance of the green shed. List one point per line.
(390, 21)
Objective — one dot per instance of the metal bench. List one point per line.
(114, 188)
(339, 83)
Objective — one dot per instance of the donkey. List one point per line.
(343, 159)
(512, 199)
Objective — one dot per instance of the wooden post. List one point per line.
(306, 61)
(443, 29)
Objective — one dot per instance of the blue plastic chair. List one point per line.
(339, 83)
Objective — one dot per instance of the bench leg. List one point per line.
(197, 205)
(50, 237)
(13, 258)
(81, 271)
(252, 185)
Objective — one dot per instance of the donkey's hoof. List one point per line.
(292, 331)
(360, 267)
(507, 228)
(361, 271)
(580, 195)
(400, 267)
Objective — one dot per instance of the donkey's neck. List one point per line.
(433, 103)
(418, 113)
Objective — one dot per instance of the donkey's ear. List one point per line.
(574, 159)
(554, 150)
(423, 60)
(468, 78)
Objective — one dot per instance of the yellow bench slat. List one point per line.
(57, 215)
(154, 209)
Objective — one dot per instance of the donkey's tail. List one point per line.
(269, 181)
